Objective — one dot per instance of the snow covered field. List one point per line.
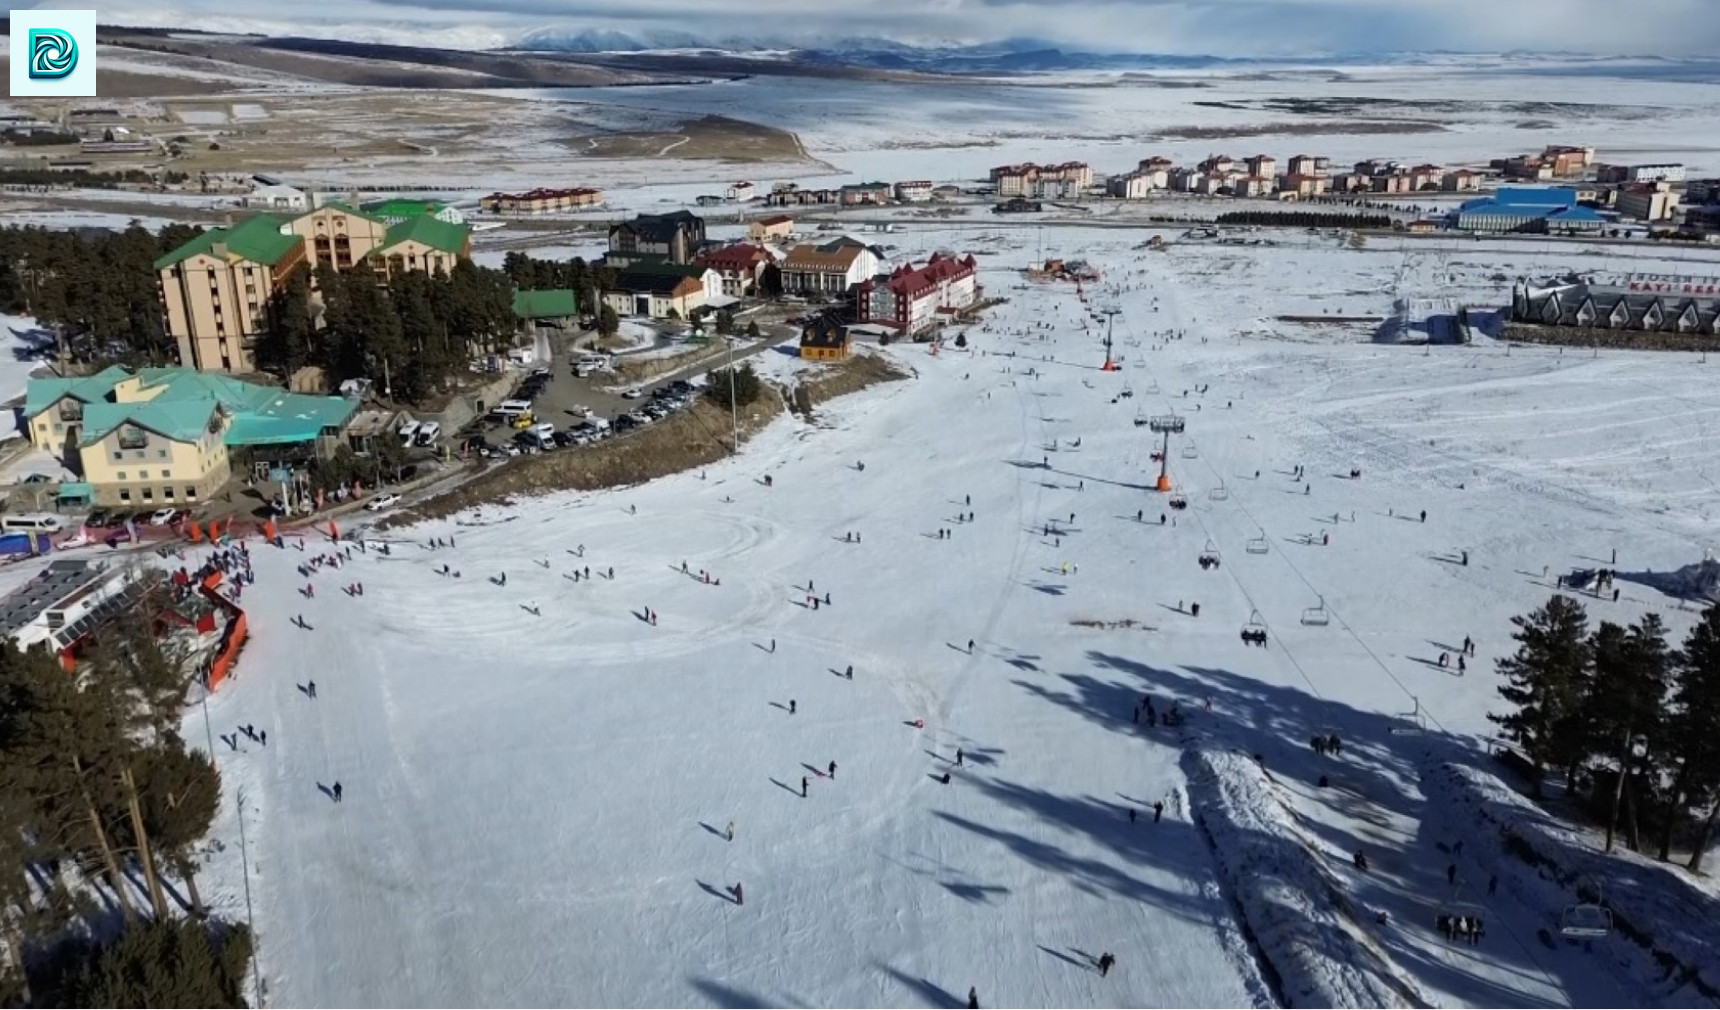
(537, 779)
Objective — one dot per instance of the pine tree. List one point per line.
(1693, 733)
(1626, 699)
(1546, 682)
(607, 321)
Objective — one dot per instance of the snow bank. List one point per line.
(1652, 903)
(1302, 922)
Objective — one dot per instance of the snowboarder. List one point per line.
(849, 673)
(740, 899)
(1106, 960)
(311, 688)
(961, 756)
(833, 771)
(729, 832)
(791, 706)
(337, 792)
(1158, 810)
(946, 778)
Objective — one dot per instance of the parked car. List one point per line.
(99, 519)
(164, 517)
(381, 501)
(632, 394)
(624, 422)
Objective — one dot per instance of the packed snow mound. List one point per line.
(1700, 581)
(1302, 922)
(1652, 903)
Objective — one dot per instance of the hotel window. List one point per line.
(148, 494)
(167, 493)
(143, 475)
(165, 475)
(132, 437)
(161, 454)
(190, 493)
(120, 475)
(124, 495)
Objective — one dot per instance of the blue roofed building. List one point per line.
(1538, 209)
(163, 437)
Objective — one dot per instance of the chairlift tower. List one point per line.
(1110, 313)
(1166, 425)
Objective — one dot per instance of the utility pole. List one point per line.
(250, 917)
(734, 410)
(1110, 312)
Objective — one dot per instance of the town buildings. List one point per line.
(662, 290)
(1543, 209)
(1069, 179)
(674, 237)
(276, 197)
(914, 191)
(914, 299)
(541, 201)
(1636, 302)
(739, 266)
(161, 436)
(831, 269)
(774, 228)
(825, 337)
(1648, 201)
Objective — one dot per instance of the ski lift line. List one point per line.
(1237, 580)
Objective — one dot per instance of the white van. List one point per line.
(407, 432)
(30, 523)
(507, 410)
(428, 433)
(589, 363)
(596, 424)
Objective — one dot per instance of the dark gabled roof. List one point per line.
(655, 281)
(824, 330)
(661, 227)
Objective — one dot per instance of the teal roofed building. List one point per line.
(163, 436)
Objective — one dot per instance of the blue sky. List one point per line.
(1221, 27)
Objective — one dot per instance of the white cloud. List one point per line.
(1219, 27)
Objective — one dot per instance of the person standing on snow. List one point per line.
(960, 757)
(833, 771)
(803, 787)
(729, 832)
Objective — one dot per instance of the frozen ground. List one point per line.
(536, 778)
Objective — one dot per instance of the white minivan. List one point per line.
(407, 432)
(507, 410)
(428, 433)
(30, 523)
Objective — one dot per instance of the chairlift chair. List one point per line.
(1255, 629)
(1209, 553)
(1189, 451)
(1317, 616)
(1179, 500)
(1219, 493)
(1152, 387)
(1141, 418)
(1259, 545)
(1589, 918)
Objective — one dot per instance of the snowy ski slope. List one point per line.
(537, 779)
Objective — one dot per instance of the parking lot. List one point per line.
(560, 398)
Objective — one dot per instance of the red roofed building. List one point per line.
(739, 266)
(913, 299)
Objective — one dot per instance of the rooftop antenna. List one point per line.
(1166, 425)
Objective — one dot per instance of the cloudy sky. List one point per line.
(1221, 27)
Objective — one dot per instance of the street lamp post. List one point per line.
(250, 917)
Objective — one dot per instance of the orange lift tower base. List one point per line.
(1166, 425)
